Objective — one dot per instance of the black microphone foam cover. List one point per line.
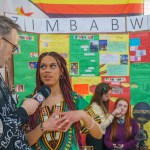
(42, 93)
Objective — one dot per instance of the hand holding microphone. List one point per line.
(31, 104)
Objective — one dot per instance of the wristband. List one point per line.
(41, 126)
(93, 122)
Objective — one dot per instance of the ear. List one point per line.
(61, 71)
(61, 74)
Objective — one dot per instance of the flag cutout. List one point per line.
(77, 8)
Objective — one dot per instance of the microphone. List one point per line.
(42, 93)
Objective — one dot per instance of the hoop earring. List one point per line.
(61, 77)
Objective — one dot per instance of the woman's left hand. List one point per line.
(68, 118)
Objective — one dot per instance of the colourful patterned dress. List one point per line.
(59, 140)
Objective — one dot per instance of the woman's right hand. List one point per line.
(116, 112)
(52, 123)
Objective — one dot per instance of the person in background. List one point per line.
(12, 136)
(121, 133)
(31, 65)
(55, 125)
(100, 102)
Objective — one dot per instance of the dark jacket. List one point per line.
(12, 136)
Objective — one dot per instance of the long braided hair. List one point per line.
(65, 86)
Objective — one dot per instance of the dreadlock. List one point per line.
(65, 86)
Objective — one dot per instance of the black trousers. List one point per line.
(98, 144)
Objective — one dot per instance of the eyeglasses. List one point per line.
(15, 47)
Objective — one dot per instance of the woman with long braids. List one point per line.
(120, 135)
(55, 125)
(99, 102)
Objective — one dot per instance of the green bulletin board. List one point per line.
(84, 55)
(140, 83)
(25, 61)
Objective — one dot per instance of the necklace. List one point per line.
(52, 98)
(55, 97)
